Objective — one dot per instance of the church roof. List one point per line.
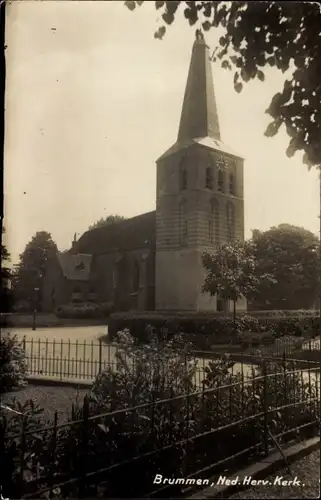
(199, 116)
(199, 123)
(75, 267)
(134, 233)
(207, 142)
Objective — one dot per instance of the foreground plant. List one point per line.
(13, 364)
(146, 416)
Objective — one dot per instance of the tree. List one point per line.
(30, 271)
(231, 272)
(291, 254)
(5, 295)
(5, 259)
(106, 221)
(261, 34)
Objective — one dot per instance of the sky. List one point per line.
(92, 100)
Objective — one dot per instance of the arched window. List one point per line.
(221, 181)
(230, 221)
(136, 274)
(209, 178)
(183, 223)
(232, 184)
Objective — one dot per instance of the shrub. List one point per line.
(169, 414)
(22, 306)
(13, 368)
(86, 310)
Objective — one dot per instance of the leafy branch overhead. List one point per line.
(258, 35)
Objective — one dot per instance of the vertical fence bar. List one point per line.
(100, 356)
(230, 397)
(47, 372)
(53, 355)
(76, 356)
(242, 392)
(22, 454)
(302, 386)
(317, 382)
(31, 357)
(84, 363)
(68, 359)
(266, 408)
(61, 356)
(84, 448)
(92, 360)
(38, 356)
(53, 454)
(186, 461)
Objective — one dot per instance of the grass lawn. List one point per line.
(50, 398)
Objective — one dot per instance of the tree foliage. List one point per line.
(5, 274)
(231, 271)
(106, 221)
(13, 369)
(291, 254)
(264, 34)
(5, 258)
(30, 271)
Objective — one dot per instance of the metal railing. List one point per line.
(185, 436)
(84, 360)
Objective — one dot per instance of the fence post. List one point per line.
(24, 343)
(22, 454)
(84, 449)
(100, 355)
(266, 408)
(53, 454)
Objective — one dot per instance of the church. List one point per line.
(153, 262)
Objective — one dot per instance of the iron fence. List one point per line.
(84, 360)
(188, 436)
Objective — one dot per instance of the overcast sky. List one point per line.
(93, 100)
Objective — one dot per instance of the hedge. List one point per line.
(85, 310)
(206, 329)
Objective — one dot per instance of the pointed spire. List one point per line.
(199, 113)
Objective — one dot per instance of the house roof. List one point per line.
(75, 267)
(135, 233)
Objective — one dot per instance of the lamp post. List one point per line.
(36, 290)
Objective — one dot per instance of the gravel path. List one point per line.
(307, 471)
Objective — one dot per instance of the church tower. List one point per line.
(199, 202)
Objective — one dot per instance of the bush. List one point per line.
(205, 330)
(158, 380)
(86, 310)
(13, 368)
(22, 306)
